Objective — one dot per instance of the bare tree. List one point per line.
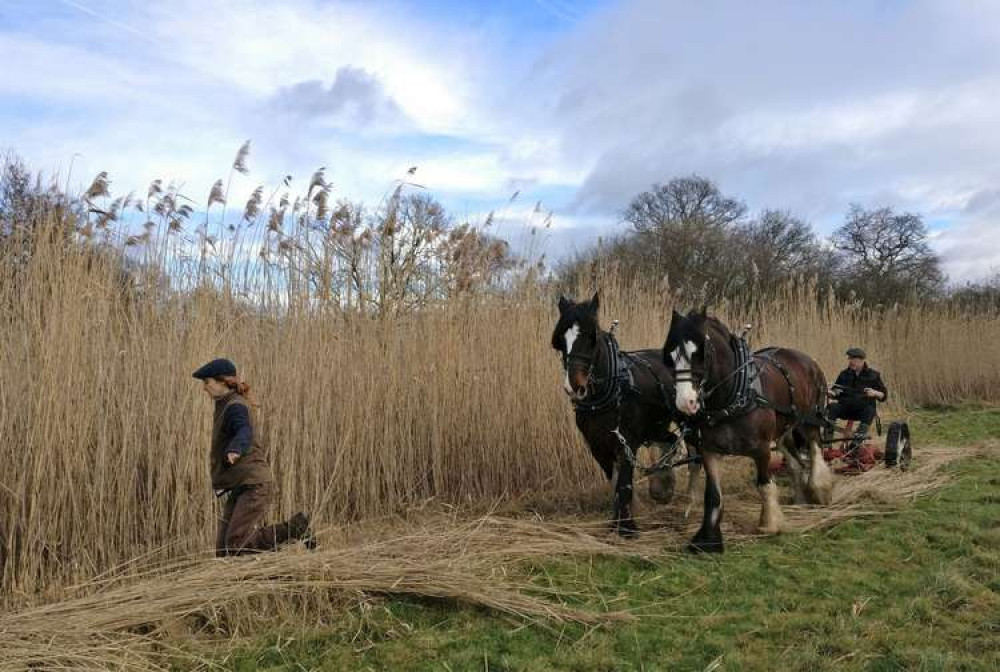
(682, 230)
(979, 296)
(777, 246)
(700, 239)
(886, 258)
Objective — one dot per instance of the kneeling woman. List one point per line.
(240, 469)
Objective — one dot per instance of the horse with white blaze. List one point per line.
(621, 400)
(747, 404)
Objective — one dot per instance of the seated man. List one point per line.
(856, 391)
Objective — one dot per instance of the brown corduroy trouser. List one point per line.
(239, 530)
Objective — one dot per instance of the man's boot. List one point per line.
(860, 436)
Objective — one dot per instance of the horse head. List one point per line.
(690, 355)
(577, 337)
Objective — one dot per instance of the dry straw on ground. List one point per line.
(129, 620)
(134, 620)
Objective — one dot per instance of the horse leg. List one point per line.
(820, 485)
(662, 483)
(693, 468)
(623, 522)
(709, 537)
(771, 518)
(792, 447)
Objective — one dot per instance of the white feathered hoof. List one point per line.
(820, 489)
(771, 519)
(768, 528)
(820, 486)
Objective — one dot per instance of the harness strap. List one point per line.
(812, 416)
(611, 393)
(743, 398)
(666, 391)
(790, 410)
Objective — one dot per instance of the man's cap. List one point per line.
(856, 352)
(217, 368)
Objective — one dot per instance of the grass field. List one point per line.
(914, 590)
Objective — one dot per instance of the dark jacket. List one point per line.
(851, 386)
(233, 432)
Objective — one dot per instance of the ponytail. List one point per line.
(241, 387)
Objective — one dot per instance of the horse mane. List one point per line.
(712, 322)
(692, 327)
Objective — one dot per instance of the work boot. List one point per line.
(298, 528)
(291, 530)
(298, 525)
(857, 441)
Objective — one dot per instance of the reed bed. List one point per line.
(104, 435)
(141, 618)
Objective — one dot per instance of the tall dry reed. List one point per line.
(104, 435)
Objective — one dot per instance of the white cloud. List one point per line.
(259, 47)
(808, 106)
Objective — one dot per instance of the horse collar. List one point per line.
(607, 391)
(743, 397)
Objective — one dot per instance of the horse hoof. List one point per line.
(705, 546)
(626, 529)
(661, 487)
(820, 495)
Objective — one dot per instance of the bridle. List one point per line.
(741, 373)
(602, 391)
(587, 360)
(695, 375)
(745, 394)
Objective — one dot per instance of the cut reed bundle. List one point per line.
(119, 620)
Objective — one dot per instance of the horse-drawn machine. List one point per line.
(705, 395)
(854, 453)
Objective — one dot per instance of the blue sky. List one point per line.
(579, 104)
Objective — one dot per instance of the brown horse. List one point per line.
(743, 404)
(622, 400)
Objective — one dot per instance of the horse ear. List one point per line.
(563, 303)
(704, 310)
(596, 301)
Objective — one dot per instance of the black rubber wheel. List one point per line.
(898, 447)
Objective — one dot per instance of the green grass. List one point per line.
(917, 590)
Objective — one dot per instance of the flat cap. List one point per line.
(217, 368)
(856, 352)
